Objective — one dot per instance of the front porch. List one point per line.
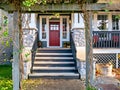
(106, 39)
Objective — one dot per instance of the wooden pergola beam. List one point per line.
(55, 7)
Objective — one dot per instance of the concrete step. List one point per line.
(54, 55)
(52, 62)
(53, 58)
(54, 50)
(53, 68)
(55, 75)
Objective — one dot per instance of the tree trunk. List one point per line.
(89, 47)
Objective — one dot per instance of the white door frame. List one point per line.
(47, 30)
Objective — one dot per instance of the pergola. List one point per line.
(60, 6)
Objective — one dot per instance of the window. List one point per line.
(54, 27)
(115, 22)
(102, 22)
(43, 28)
(64, 35)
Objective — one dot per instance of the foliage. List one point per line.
(91, 88)
(5, 77)
(6, 84)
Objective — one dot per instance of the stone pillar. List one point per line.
(28, 41)
(79, 39)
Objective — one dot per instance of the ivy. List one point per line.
(5, 33)
(29, 3)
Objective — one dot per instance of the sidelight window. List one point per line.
(43, 28)
(64, 34)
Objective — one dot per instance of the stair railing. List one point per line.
(74, 51)
(34, 49)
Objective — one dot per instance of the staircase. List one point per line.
(54, 63)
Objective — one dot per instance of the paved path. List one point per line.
(107, 83)
(54, 84)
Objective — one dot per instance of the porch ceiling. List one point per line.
(55, 7)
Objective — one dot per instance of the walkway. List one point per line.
(107, 83)
(53, 84)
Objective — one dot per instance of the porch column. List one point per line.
(109, 22)
(95, 22)
(33, 21)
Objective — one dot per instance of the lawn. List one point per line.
(6, 77)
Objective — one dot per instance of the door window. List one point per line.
(54, 27)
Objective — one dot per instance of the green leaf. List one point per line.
(110, 2)
(7, 43)
(5, 33)
(27, 54)
(106, 10)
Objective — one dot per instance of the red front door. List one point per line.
(54, 36)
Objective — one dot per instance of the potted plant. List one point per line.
(68, 44)
(65, 44)
(39, 44)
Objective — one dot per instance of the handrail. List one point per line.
(34, 48)
(106, 39)
(74, 51)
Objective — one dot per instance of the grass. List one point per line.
(5, 72)
(6, 77)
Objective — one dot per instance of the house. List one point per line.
(55, 30)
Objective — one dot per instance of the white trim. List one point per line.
(109, 14)
(40, 27)
(60, 31)
(47, 28)
(47, 31)
(106, 50)
(68, 31)
(95, 22)
(109, 22)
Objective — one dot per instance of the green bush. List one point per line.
(6, 84)
(6, 77)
